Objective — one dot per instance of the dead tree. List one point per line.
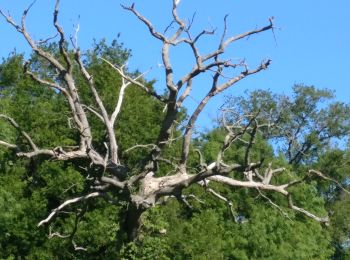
(150, 187)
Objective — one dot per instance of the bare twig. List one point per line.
(145, 146)
(145, 21)
(19, 129)
(307, 213)
(134, 81)
(274, 205)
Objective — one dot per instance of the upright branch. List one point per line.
(106, 120)
(62, 40)
(213, 63)
(67, 88)
(203, 63)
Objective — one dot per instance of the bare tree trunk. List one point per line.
(132, 222)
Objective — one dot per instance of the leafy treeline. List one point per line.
(244, 224)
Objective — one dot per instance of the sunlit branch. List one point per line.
(68, 202)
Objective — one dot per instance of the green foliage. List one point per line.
(341, 220)
(301, 126)
(19, 213)
(210, 232)
(30, 189)
(138, 123)
(210, 229)
(39, 111)
(213, 141)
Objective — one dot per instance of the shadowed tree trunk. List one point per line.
(132, 222)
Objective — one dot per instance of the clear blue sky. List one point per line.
(313, 43)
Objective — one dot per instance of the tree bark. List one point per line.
(132, 222)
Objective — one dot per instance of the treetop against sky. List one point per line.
(310, 43)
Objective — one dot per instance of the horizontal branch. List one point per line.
(248, 184)
(225, 43)
(113, 182)
(68, 202)
(307, 213)
(143, 146)
(8, 145)
(57, 153)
